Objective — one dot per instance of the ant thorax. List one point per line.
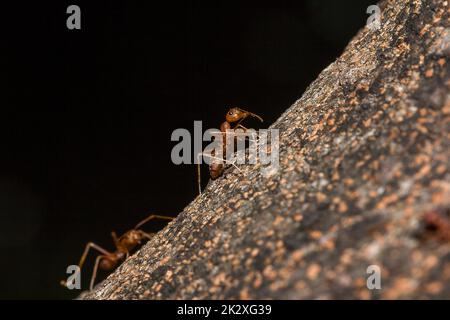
(130, 239)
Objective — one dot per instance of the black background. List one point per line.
(87, 115)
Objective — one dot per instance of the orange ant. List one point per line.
(234, 115)
(124, 244)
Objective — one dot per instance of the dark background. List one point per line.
(87, 115)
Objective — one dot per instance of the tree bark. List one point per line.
(364, 157)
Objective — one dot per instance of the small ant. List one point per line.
(124, 244)
(216, 167)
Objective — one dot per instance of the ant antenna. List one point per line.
(151, 217)
(252, 114)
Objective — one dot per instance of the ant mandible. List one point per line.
(124, 244)
(233, 116)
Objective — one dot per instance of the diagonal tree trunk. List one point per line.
(364, 156)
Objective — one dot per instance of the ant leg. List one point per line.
(224, 160)
(252, 137)
(151, 217)
(89, 246)
(240, 126)
(115, 238)
(147, 235)
(199, 183)
(86, 251)
(94, 272)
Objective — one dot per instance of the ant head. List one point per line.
(235, 114)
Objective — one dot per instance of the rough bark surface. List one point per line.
(364, 155)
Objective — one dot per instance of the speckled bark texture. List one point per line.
(364, 155)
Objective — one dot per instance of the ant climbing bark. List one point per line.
(216, 167)
(124, 244)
